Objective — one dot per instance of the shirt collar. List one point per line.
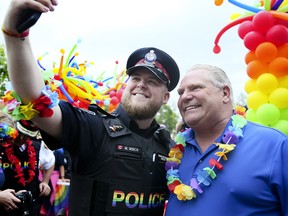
(190, 135)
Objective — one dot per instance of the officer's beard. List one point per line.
(140, 111)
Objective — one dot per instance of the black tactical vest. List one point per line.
(131, 182)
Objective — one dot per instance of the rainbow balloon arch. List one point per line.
(71, 82)
(264, 31)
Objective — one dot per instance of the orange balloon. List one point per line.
(111, 107)
(218, 2)
(250, 56)
(255, 69)
(278, 67)
(266, 52)
(283, 50)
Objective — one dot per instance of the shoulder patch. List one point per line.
(88, 111)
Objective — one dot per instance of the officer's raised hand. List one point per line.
(17, 11)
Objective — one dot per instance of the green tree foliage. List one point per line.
(167, 117)
(3, 70)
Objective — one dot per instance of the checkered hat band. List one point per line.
(156, 65)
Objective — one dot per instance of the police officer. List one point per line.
(117, 159)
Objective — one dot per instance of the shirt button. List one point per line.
(200, 161)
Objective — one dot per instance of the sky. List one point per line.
(111, 30)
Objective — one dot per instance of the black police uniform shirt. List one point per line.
(112, 175)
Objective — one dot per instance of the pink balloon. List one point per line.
(282, 22)
(253, 39)
(112, 94)
(244, 28)
(262, 21)
(119, 94)
(114, 100)
(277, 34)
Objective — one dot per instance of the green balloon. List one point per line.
(251, 115)
(284, 114)
(268, 114)
(282, 125)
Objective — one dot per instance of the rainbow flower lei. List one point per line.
(203, 177)
(7, 132)
(19, 172)
(41, 106)
(8, 135)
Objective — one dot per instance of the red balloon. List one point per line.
(114, 100)
(100, 103)
(119, 94)
(244, 28)
(262, 21)
(217, 49)
(112, 94)
(277, 34)
(282, 22)
(253, 39)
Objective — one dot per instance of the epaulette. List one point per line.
(96, 109)
(164, 137)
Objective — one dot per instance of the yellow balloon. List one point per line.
(250, 86)
(284, 3)
(283, 82)
(267, 83)
(279, 97)
(255, 99)
(235, 16)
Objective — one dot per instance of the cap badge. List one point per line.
(150, 58)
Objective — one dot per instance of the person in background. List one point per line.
(46, 162)
(8, 200)
(20, 156)
(60, 164)
(180, 126)
(67, 165)
(118, 158)
(58, 175)
(223, 164)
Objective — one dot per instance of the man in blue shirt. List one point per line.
(223, 164)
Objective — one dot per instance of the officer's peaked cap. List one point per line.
(158, 62)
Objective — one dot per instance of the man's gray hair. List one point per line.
(216, 75)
